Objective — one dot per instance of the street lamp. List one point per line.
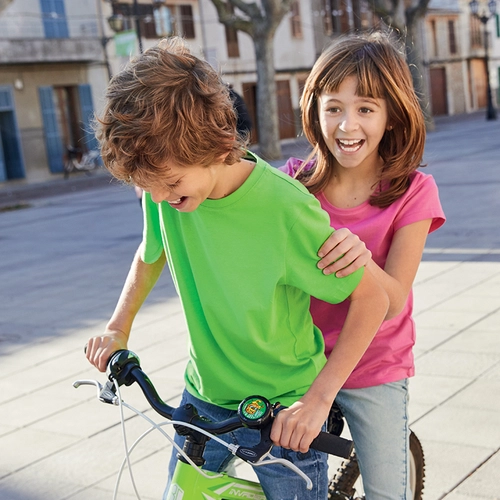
(491, 112)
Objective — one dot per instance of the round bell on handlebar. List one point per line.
(255, 411)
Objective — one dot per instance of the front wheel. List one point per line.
(345, 485)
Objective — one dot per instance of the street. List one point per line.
(64, 259)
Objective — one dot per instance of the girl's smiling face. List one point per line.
(352, 126)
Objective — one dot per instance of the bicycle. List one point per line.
(346, 483)
(190, 481)
(91, 160)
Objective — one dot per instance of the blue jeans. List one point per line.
(278, 482)
(378, 420)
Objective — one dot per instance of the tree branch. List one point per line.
(415, 11)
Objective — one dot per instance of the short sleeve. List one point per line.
(309, 232)
(293, 165)
(421, 202)
(152, 244)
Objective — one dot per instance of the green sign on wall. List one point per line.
(126, 43)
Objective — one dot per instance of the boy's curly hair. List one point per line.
(166, 105)
(377, 61)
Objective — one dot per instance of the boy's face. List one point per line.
(185, 188)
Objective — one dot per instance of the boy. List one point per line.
(240, 239)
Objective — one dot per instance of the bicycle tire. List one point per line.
(68, 168)
(342, 485)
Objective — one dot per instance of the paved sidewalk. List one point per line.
(64, 260)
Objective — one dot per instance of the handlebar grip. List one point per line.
(334, 445)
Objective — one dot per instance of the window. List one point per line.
(295, 21)
(54, 19)
(233, 49)
(326, 14)
(452, 41)
(475, 33)
(144, 14)
(187, 21)
(361, 14)
(163, 20)
(156, 22)
(498, 89)
(147, 20)
(434, 38)
(340, 16)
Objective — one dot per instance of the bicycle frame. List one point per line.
(187, 482)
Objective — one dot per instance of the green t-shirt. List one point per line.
(244, 267)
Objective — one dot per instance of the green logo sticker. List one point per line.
(253, 409)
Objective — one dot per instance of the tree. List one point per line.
(404, 16)
(260, 21)
(4, 3)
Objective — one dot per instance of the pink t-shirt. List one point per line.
(390, 355)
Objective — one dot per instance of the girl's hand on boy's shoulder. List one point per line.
(343, 253)
(99, 349)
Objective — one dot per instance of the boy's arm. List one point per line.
(400, 268)
(139, 283)
(298, 425)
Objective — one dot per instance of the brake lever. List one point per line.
(105, 393)
(98, 385)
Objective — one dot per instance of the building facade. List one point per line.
(228, 50)
(51, 73)
(56, 57)
(455, 57)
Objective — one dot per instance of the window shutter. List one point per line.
(55, 24)
(51, 130)
(87, 114)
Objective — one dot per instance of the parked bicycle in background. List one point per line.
(78, 161)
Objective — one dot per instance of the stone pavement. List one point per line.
(64, 259)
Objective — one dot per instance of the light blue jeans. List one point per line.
(278, 482)
(378, 420)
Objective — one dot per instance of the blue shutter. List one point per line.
(87, 114)
(498, 89)
(55, 23)
(11, 156)
(51, 130)
(3, 169)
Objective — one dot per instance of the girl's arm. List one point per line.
(402, 264)
(140, 281)
(296, 426)
(400, 268)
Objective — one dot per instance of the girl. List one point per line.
(363, 119)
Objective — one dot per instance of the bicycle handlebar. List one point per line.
(124, 367)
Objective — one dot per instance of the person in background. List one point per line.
(243, 120)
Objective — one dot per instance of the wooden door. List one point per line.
(286, 115)
(439, 99)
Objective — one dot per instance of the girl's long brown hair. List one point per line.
(382, 73)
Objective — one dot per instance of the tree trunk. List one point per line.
(415, 61)
(4, 4)
(267, 106)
